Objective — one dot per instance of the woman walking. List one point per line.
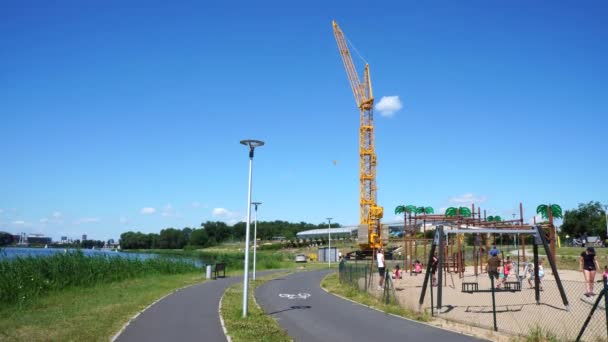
(589, 266)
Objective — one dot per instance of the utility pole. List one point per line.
(329, 240)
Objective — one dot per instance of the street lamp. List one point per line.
(606, 214)
(255, 233)
(329, 240)
(252, 144)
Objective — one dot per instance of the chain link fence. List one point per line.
(517, 310)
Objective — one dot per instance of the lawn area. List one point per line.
(87, 314)
(331, 284)
(257, 326)
(576, 251)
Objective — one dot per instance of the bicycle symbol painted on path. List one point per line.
(295, 296)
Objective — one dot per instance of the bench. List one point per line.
(221, 267)
(470, 287)
(509, 286)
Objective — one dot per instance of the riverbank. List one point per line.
(87, 314)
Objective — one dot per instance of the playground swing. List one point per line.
(473, 287)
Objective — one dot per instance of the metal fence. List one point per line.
(517, 311)
(364, 277)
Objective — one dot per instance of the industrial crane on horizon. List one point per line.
(370, 235)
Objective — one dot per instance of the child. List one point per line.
(605, 274)
(541, 274)
(506, 270)
(397, 273)
(418, 267)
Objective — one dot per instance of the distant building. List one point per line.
(84, 237)
(38, 239)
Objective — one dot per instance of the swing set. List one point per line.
(439, 244)
(454, 261)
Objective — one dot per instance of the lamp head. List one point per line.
(252, 145)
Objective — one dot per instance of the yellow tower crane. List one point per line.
(370, 213)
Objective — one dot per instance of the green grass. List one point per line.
(257, 326)
(333, 285)
(87, 314)
(25, 279)
(576, 251)
(538, 334)
(266, 260)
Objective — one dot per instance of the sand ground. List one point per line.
(517, 312)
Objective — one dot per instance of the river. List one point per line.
(22, 252)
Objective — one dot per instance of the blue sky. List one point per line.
(124, 116)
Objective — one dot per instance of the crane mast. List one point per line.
(370, 213)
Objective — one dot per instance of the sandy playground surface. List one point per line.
(517, 312)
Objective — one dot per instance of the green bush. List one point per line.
(271, 247)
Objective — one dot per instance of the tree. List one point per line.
(405, 209)
(587, 218)
(424, 210)
(199, 238)
(450, 212)
(464, 212)
(543, 210)
(6, 238)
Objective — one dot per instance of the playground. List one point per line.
(517, 312)
(535, 296)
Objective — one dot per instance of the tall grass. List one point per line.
(23, 279)
(233, 259)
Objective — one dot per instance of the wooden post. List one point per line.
(552, 238)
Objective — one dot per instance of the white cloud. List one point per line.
(86, 220)
(539, 219)
(195, 205)
(232, 222)
(388, 105)
(467, 199)
(19, 222)
(167, 210)
(225, 213)
(147, 210)
(221, 212)
(55, 218)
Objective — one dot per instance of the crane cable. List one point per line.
(354, 48)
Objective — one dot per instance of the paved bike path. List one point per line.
(190, 314)
(325, 317)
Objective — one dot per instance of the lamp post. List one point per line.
(606, 214)
(329, 241)
(252, 144)
(255, 233)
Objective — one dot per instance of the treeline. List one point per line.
(212, 233)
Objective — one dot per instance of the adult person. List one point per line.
(584, 239)
(493, 264)
(381, 267)
(589, 265)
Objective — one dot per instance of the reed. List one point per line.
(23, 279)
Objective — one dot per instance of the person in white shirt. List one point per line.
(381, 266)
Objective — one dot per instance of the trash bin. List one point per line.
(208, 274)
